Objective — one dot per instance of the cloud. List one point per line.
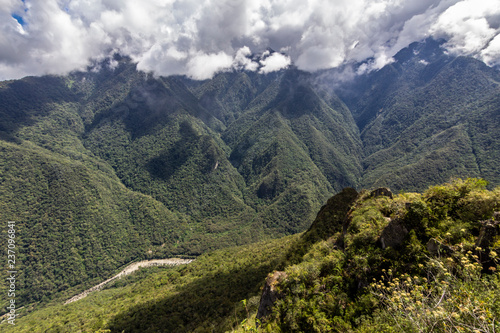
(201, 37)
(242, 60)
(203, 66)
(491, 54)
(273, 62)
(374, 64)
(471, 28)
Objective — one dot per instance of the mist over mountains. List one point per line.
(202, 38)
(102, 167)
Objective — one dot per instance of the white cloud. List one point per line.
(274, 62)
(491, 54)
(470, 26)
(204, 66)
(242, 60)
(185, 36)
(375, 64)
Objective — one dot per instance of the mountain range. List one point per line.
(111, 165)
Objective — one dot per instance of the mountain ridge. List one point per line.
(183, 167)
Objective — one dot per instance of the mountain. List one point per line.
(426, 117)
(115, 165)
(75, 220)
(257, 166)
(103, 167)
(371, 261)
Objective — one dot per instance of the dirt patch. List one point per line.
(129, 269)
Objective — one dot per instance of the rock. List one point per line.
(435, 247)
(269, 294)
(393, 234)
(382, 191)
(489, 230)
(488, 236)
(333, 217)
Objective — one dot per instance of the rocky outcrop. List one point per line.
(489, 231)
(435, 247)
(269, 294)
(488, 236)
(393, 234)
(333, 216)
(382, 191)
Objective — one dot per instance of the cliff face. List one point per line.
(332, 217)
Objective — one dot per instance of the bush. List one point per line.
(452, 296)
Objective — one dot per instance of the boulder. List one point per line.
(489, 231)
(435, 247)
(488, 236)
(393, 234)
(269, 294)
(382, 191)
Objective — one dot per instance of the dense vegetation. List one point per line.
(388, 263)
(427, 117)
(202, 296)
(411, 263)
(111, 165)
(102, 168)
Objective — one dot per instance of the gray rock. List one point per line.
(382, 191)
(435, 247)
(393, 234)
(489, 230)
(269, 294)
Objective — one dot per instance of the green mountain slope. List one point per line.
(76, 221)
(420, 117)
(355, 261)
(97, 156)
(76, 224)
(123, 165)
(293, 146)
(231, 151)
(161, 142)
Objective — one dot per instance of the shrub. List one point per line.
(452, 296)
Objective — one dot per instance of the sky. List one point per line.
(199, 38)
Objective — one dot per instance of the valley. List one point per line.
(107, 166)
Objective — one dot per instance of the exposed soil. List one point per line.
(129, 269)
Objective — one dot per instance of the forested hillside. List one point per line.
(110, 165)
(76, 222)
(427, 117)
(371, 261)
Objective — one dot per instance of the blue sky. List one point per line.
(19, 19)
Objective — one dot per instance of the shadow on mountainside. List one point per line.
(22, 101)
(209, 303)
(206, 304)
